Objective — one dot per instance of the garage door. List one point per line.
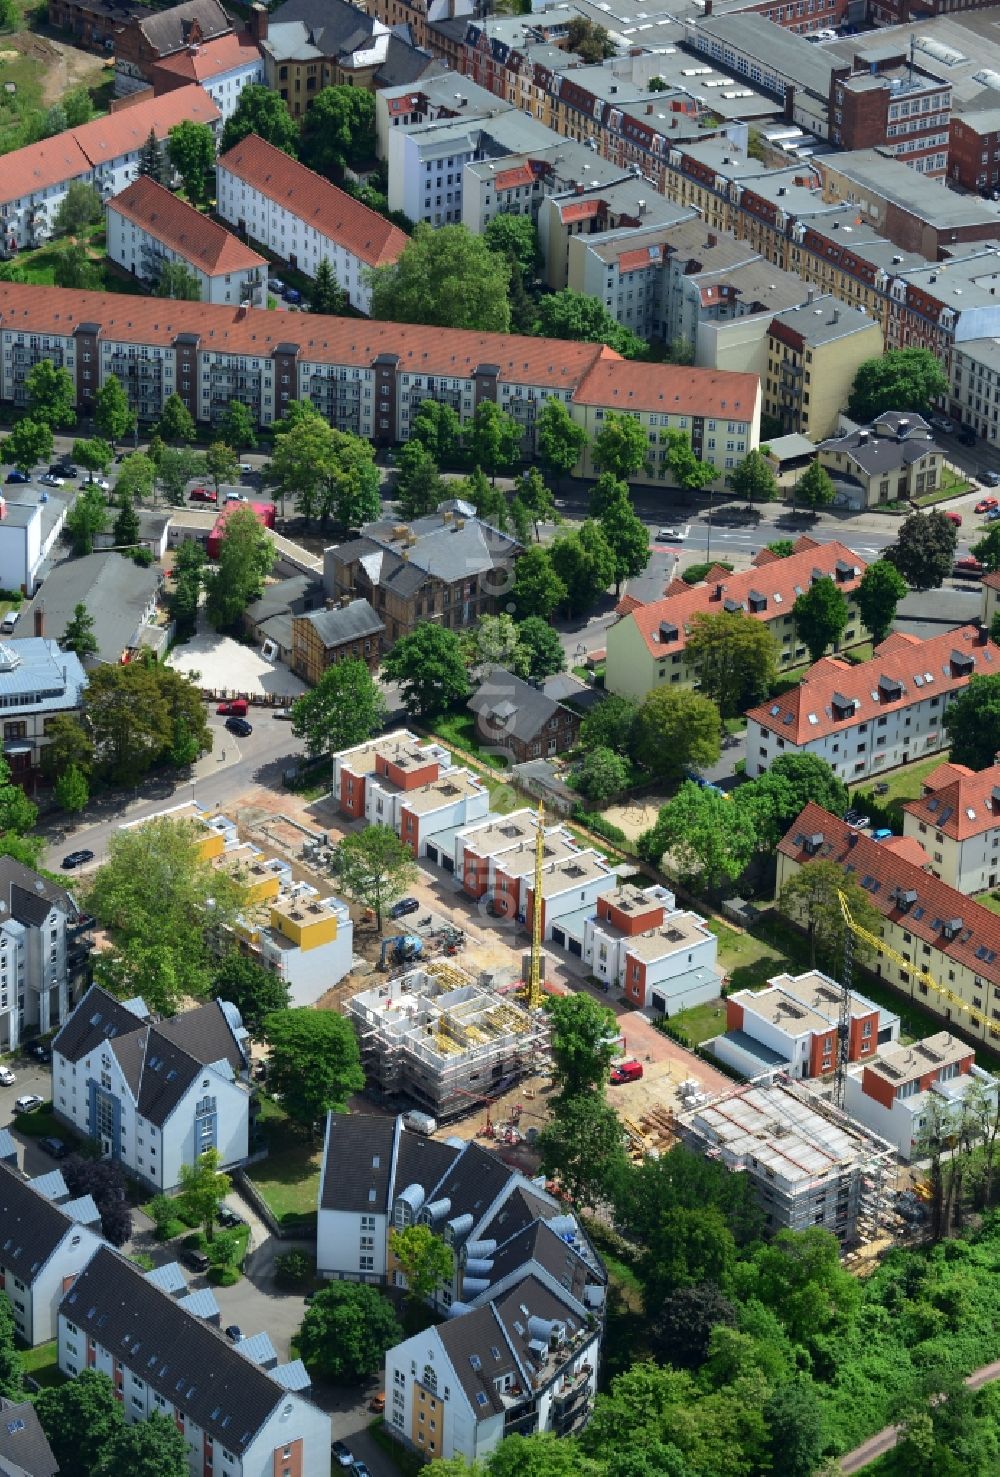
(448, 862)
(558, 937)
(575, 947)
(432, 853)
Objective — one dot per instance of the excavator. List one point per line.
(402, 949)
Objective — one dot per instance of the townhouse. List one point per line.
(321, 638)
(934, 928)
(516, 716)
(893, 1094)
(105, 153)
(369, 778)
(44, 946)
(646, 646)
(875, 715)
(519, 1346)
(956, 819)
(662, 958)
(814, 351)
(222, 66)
(147, 39)
(507, 841)
(40, 682)
(239, 1418)
(148, 226)
(893, 460)
(153, 1095)
(48, 1239)
(792, 1025)
(302, 218)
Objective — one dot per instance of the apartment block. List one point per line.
(974, 147)
(302, 218)
(504, 843)
(792, 1025)
(814, 351)
(44, 947)
(930, 925)
(369, 779)
(662, 958)
(893, 1094)
(894, 459)
(238, 1417)
(222, 67)
(646, 646)
(957, 821)
(48, 1238)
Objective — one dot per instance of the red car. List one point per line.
(986, 503)
(970, 568)
(236, 709)
(203, 495)
(625, 1072)
(955, 518)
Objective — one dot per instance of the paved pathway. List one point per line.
(887, 1438)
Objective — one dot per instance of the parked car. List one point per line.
(275, 284)
(969, 568)
(16, 476)
(246, 468)
(55, 1148)
(7, 1078)
(942, 423)
(882, 834)
(234, 1333)
(228, 1217)
(236, 497)
(342, 1454)
(240, 727)
(625, 1072)
(203, 495)
(236, 708)
(955, 518)
(49, 479)
(404, 906)
(674, 535)
(101, 483)
(28, 1103)
(988, 479)
(292, 295)
(285, 713)
(993, 515)
(967, 436)
(74, 859)
(196, 1260)
(39, 1051)
(360, 1470)
(986, 503)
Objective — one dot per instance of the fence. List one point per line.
(301, 1231)
(255, 699)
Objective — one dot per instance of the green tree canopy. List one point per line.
(621, 446)
(51, 394)
(151, 159)
(87, 517)
(94, 454)
(610, 724)
(246, 554)
(880, 591)
(420, 488)
(811, 897)
(126, 525)
(347, 1329)
(754, 478)
(560, 440)
(18, 814)
(325, 293)
(237, 426)
(493, 440)
(424, 1259)
(786, 787)
(221, 464)
(136, 477)
(79, 208)
(176, 423)
(313, 1063)
(676, 729)
(436, 426)
(899, 379)
(924, 551)
(153, 1447)
(814, 488)
(203, 1187)
(583, 1145)
(987, 549)
(177, 466)
(602, 776)
(72, 791)
(113, 416)
(447, 278)
(28, 443)
(375, 868)
(429, 665)
(252, 987)
(72, 268)
(537, 590)
(577, 316)
(262, 112)
(708, 839)
(543, 654)
(516, 238)
(590, 42)
(626, 536)
(972, 722)
(175, 280)
(80, 1419)
(191, 150)
(735, 657)
(344, 708)
(338, 130)
(820, 615)
(585, 564)
(689, 472)
(536, 499)
(583, 1038)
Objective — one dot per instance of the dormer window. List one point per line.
(668, 632)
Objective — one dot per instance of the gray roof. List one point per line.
(99, 1017)
(29, 896)
(36, 676)
(344, 623)
(789, 448)
(115, 591)
(928, 199)
(170, 30)
(182, 1358)
(507, 705)
(825, 320)
(358, 1161)
(882, 454)
(23, 1446)
(8, 1148)
(31, 1227)
(806, 65)
(450, 550)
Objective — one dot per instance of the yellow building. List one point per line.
(813, 355)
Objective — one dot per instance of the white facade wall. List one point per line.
(20, 551)
(462, 812)
(902, 1123)
(793, 1047)
(425, 176)
(225, 89)
(352, 1246)
(970, 866)
(666, 974)
(857, 750)
(310, 972)
(460, 1434)
(575, 897)
(135, 248)
(36, 1305)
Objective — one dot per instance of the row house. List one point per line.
(662, 958)
(45, 945)
(104, 153)
(240, 1413)
(369, 778)
(948, 945)
(814, 351)
(646, 646)
(48, 1238)
(875, 715)
(956, 819)
(894, 1093)
(495, 859)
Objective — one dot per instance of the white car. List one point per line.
(100, 482)
(236, 497)
(50, 480)
(673, 535)
(7, 1078)
(245, 467)
(28, 1104)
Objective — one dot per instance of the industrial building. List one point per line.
(434, 1036)
(809, 1164)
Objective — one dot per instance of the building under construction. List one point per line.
(435, 1037)
(810, 1164)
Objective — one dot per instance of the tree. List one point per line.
(313, 1061)
(880, 591)
(79, 633)
(924, 551)
(51, 393)
(707, 838)
(436, 427)
(543, 655)
(189, 565)
(537, 588)
(584, 562)
(899, 379)
(80, 1419)
(754, 478)
(87, 517)
(126, 528)
(794, 1421)
(113, 416)
(676, 729)
(29, 442)
(419, 485)
(262, 112)
(347, 1329)
(577, 316)
(344, 708)
(627, 538)
(814, 488)
(72, 791)
(783, 547)
(245, 558)
(424, 1259)
(351, 495)
(621, 447)
(682, 1328)
(820, 615)
(324, 293)
(516, 238)
(799, 1277)
(591, 43)
(489, 501)
(495, 642)
(203, 1187)
(136, 478)
(104, 1180)
(66, 744)
(583, 1146)
(493, 441)
(72, 268)
(375, 867)
(690, 473)
(95, 454)
(536, 499)
(175, 280)
(176, 423)
(252, 987)
(785, 788)
(191, 150)
(447, 278)
(430, 667)
(338, 130)
(237, 427)
(176, 468)
(221, 464)
(77, 107)
(583, 1039)
(971, 722)
(735, 657)
(602, 776)
(811, 898)
(610, 724)
(151, 160)
(987, 550)
(560, 441)
(153, 1447)
(80, 207)
(302, 460)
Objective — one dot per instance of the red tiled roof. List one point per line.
(774, 579)
(509, 179)
(38, 166)
(184, 229)
(212, 58)
(922, 671)
(579, 210)
(639, 259)
(909, 848)
(868, 862)
(674, 388)
(627, 604)
(959, 801)
(992, 579)
(356, 227)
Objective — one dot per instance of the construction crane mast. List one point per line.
(535, 975)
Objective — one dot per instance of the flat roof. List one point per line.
(677, 931)
(454, 785)
(899, 1064)
(928, 199)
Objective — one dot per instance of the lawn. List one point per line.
(40, 1363)
(41, 1123)
(459, 729)
(904, 784)
(951, 486)
(701, 1022)
(989, 900)
(288, 1179)
(25, 74)
(748, 960)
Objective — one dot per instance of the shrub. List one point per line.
(292, 1268)
(596, 823)
(697, 572)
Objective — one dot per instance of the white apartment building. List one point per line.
(372, 779)
(662, 958)
(957, 822)
(239, 1419)
(104, 153)
(148, 226)
(222, 66)
(153, 1096)
(302, 218)
(427, 162)
(893, 1093)
(47, 1238)
(43, 952)
(876, 715)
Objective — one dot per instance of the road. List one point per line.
(884, 1440)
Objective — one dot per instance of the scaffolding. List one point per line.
(448, 1044)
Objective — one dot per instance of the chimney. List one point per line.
(578, 187)
(345, 601)
(711, 240)
(708, 7)
(836, 316)
(39, 620)
(258, 23)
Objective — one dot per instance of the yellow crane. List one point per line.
(923, 976)
(535, 975)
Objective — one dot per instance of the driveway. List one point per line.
(226, 665)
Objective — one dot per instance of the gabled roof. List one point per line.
(213, 59)
(31, 1227)
(834, 694)
(125, 132)
(24, 1450)
(170, 30)
(506, 705)
(98, 1017)
(676, 390)
(358, 1163)
(959, 801)
(885, 875)
(114, 589)
(29, 896)
(192, 235)
(344, 623)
